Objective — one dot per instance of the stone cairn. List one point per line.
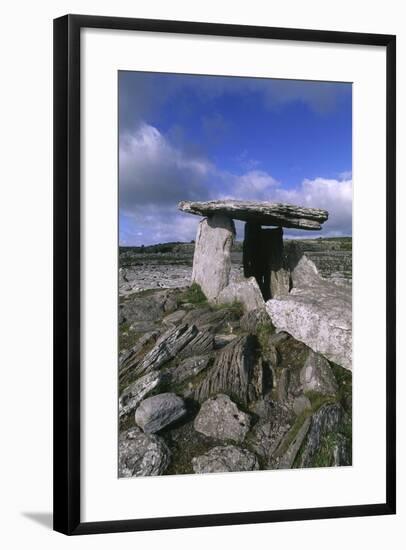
(263, 257)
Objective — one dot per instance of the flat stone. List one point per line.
(157, 412)
(220, 418)
(132, 396)
(262, 213)
(318, 313)
(225, 459)
(246, 292)
(188, 368)
(212, 257)
(141, 454)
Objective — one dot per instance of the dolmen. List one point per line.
(296, 298)
(263, 257)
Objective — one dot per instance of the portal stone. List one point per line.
(263, 259)
(212, 257)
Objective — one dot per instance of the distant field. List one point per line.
(168, 265)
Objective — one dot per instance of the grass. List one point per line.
(192, 295)
(235, 307)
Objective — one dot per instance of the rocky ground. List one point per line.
(206, 388)
(169, 265)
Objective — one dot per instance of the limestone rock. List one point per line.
(287, 459)
(247, 292)
(154, 413)
(225, 459)
(325, 422)
(234, 372)
(274, 422)
(166, 348)
(174, 318)
(135, 392)
(318, 314)
(262, 213)
(316, 375)
(130, 359)
(188, 368)
(301, 404)
(212, 260)
(253, 318)
(200, 344)
(220, 418)
(141, 454)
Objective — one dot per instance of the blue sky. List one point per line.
(187, 137)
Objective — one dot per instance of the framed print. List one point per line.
(224, 274)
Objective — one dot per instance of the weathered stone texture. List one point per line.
(212, 261)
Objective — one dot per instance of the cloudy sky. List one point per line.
(186, 137)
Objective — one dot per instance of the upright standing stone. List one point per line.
(263, 259)
(212, 257)
(279, 274)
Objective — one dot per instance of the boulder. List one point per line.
(220, 418)
(132, 396)
(157, 412)
(261, 213)
(318, 313)
(225, 459)
(246, 292)
(141, 454)
(212, 256)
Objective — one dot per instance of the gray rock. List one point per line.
(174, 318)
(135, 392)
(246, 292)
(319, 314)
(212, 260)
(131, 358)
(317, 376)
(253, 318)
(237, 371)
(220, 418)
(275, 420)
(301, 404)
(157, 412)
(327, 420)
(188, 368)
(287, 459)
(225, 459)
(221, 340)
(146, 306)
(166, 348)
(218, 320)
(200, 344)
(262, 213)
(141, 454)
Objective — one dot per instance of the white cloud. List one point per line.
(155, 176)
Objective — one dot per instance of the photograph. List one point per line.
(234, 303)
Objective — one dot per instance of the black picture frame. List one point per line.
(67, 293)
